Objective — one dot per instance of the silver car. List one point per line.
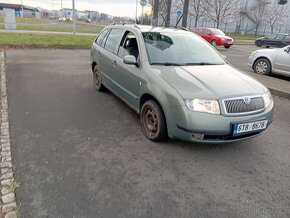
(266, 61)
(179, 85)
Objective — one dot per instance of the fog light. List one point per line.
(196, 136)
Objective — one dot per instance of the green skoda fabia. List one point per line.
(181, 87)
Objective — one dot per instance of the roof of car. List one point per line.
(147, 28)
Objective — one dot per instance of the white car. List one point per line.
(266, 61)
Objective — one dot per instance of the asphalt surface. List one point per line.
(81, 153)
(238, 57)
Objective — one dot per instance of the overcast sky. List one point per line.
(113, 7)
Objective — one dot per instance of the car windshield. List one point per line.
(179, 49)
(217, 32)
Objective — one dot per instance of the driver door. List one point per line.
(282, 64)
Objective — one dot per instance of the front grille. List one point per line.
(235, 106)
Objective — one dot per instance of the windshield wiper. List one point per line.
(201, 63)
(166, 64)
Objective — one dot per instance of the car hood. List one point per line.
(209, 81)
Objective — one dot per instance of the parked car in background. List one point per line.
(266, 61)
(214, 36)
(275, 40)
(179, 85)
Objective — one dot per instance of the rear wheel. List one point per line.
(153, 121)
(97, 79)
(262, 66)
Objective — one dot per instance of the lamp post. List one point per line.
(136, 11)
(73, 17)
(22, 9)
(143, 3)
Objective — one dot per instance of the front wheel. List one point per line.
(214, 43)
(153, 121)
(97, 79)
(262, 66)
(259, 43)
(227, 46)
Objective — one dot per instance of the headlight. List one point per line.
(267, 99)
(205, 106)
(255, 52)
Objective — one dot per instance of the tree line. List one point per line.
(219, 11)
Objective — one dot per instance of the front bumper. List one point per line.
(214, 128)
(251, 61)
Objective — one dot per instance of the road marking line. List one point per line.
(7, 193)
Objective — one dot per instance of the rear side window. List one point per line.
(101, 36)
(113, 39)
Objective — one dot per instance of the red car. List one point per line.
(214, 36)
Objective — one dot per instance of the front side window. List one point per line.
(181, 49)
(129, 45)
(272, 36)
(217, 32)
(113, 40)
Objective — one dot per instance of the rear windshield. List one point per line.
(176, 48)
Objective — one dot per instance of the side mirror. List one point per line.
(287, 49)
(130, 59)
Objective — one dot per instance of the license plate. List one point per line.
(249, 127)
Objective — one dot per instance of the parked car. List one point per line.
(61, 19)
(266, 61)
(275, 40)
(179, 85)
(214, 36)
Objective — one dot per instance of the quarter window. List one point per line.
(113, 39)
(101, 37)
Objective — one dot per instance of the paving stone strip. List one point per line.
(8, 205)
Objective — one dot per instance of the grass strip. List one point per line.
(44, 40)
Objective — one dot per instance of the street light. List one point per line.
(73, 17)
(22, 9)
(136, 11)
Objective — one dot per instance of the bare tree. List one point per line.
(197, 9)
(258, 15)
(185, 13)
(220, 9)
(275, 15)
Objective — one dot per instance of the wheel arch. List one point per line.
(262, 57)
(93, 65)
(145, 97)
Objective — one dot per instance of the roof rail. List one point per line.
(170, 26)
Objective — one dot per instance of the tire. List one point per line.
(262, 66)
(227, 46)
(97, 79)
(153, 121)
(214, 43)
(259, 43)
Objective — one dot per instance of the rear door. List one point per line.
(108, 57)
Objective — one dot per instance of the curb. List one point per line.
(8, 201)
(279, 93)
